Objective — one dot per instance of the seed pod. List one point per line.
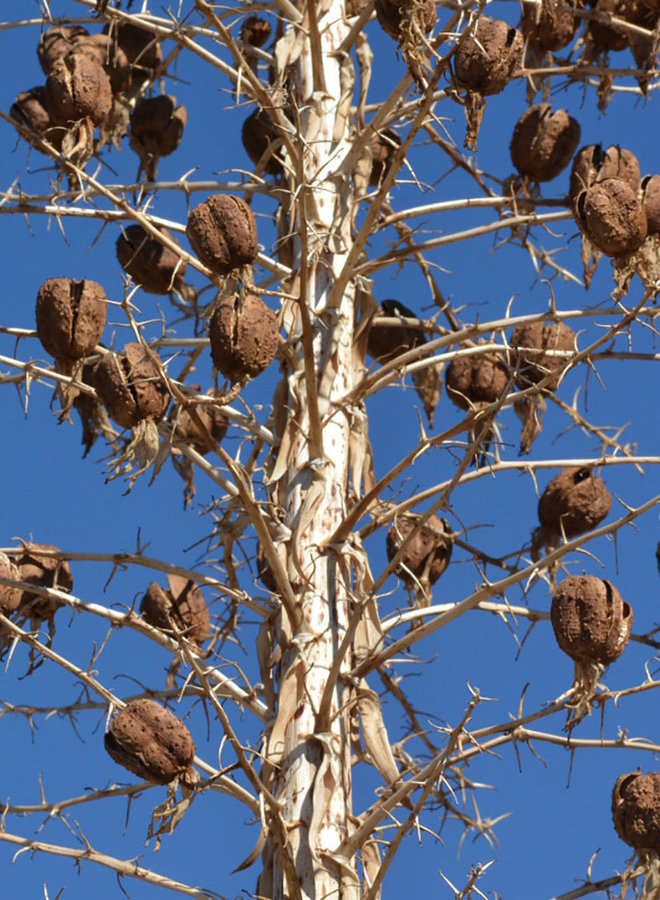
(651, 200)
(383, 146)
(429, 552)
(150, 264)
(10, 597)
(544, 142)
(612, 216)
(533, 367)
(255, 31)
(78, 88)
(390, 15)
(130, 387)
(384, 343)
(44, 572)
(549, 27)
(29, 109)
(244, 335)
(223, 233)
(56, 43)
(264, 570)
(183, 604)
(157, 126)
(593, 164)
(636, 810)
(188, 430)
(608, 37)
(485, 61)
(71, 317)
(259, 133)
(591, 620)
(575, 501)
(476, 379)
(150, 741)
(142, 49)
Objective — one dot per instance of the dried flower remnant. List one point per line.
(182, 604)
(152, 265)
(244, 335)
(544, 142)
(592, 624)
(78, 88)
(153, 743)
(71, 317)
(426, 555)
(157, 126)
(612, 216)
(223, 233)
(575, 501)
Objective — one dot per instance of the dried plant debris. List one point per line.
(152, 265)
(153, 743)
(244, 335)
(574, 502)
(157, 126)
(550, 25)
(71, 317)
(544, 142)
(426, 555)
(182, 605)
(223, 233)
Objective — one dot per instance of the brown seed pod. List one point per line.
(255, 31)
(130, 386)
(44, 572)
(78, 88)
(592, 164)
(71, 317)
(476, 379)
(591, 620)
(429, 552)
(485, 61)
(549, 27)
(259, 134)
(150, 741)
(608, 37)
(223, 233)
(188, 430)
(183, 603)
(575, 501)
(108, 54)
(390, 15)
(385, 343)
(10, 597)
(244, 335)
(157, 126)
(544, 142)
(264, 570)
(651, 200)
(612, 216)
(56, 43)
(636, 810)
(150, 264)
(141, 47)
(534, 367)
(383, 146)
(29, 109)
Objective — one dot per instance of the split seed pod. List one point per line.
(43, 572)
(150, 741)
(56, 43)
(10, 597)
(259, 134)
(255, 31)
(150, 264)
(183, 604)
(544, 142)
(485, 61)
(591, 621)
(157, 126)
(476, 379)
(244, 335)
(549, 27)
(534, 367)
(71, 317)
(636, 811)
(651, 200)
(427, 555)
(30, 110)
(78, 88)
(391, 13)
(574, 502)
(142, 49)
(592, 164)
(130, 387)
(383, 146)
(223, 233)
(385, 343)
(612, 216)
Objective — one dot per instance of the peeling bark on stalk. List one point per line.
(312, 758)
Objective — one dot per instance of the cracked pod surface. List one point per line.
(223, 233)
(44, 572)
(157, 126)
(574, 501)
(150, 741)
(590, 619)
(544, 142)
(183, 603)
(385, 343)
(78, 88)
(391, 15)
(636, 810)
(152, 265)
(476, 379)
(612, 216)
(10, 597)
(592, 163)
(429, 551)
(244, 335)
(549, 27)
(485, 61)
(71, 317)
(130, 386)
(534, 367)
